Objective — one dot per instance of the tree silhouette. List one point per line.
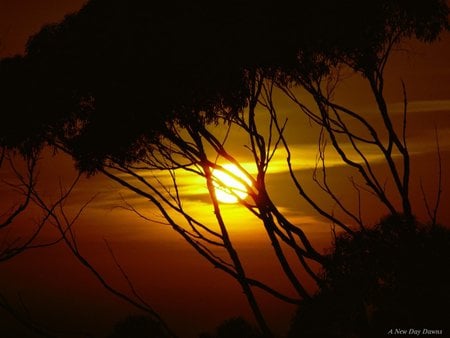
(384, 278)
(22, 178)
(24, 185)
(138, 327)
(127, 88)
(18, 233)
(236, 327)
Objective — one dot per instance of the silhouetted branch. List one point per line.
(324, 186)
(293, 176)
(26, 187)
(24, 317)
(65, 225)
(9, 249)
(192, 240)
(432, 212)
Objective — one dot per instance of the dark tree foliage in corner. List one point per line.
(392, 276)
(111, 79)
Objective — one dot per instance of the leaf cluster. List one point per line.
(390, 276)
(116, 77)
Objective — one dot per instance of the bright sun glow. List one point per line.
(228, 188)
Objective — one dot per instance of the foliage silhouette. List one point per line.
(110, 80)
(391, 276)
(138, 327)
(236, 327)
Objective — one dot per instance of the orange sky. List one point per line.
(182, 287)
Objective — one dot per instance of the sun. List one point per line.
(230, 189)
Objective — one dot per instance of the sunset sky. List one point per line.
(186, 290)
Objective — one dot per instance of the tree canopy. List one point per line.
(397, 267)
(111, 79)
